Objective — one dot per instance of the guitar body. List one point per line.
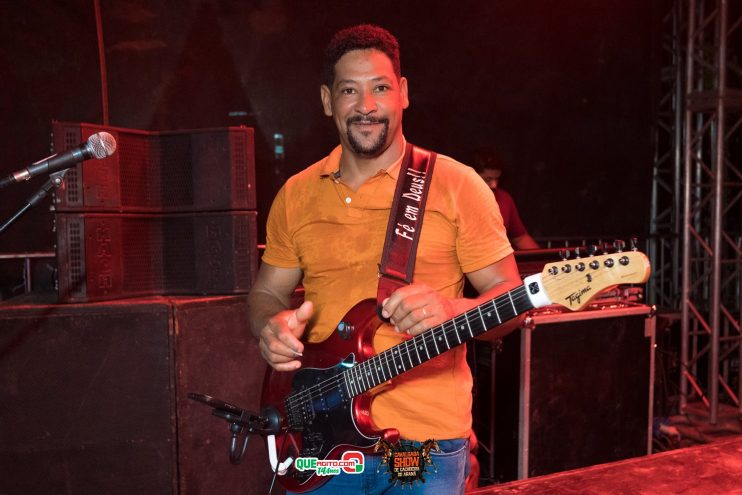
(334, 423)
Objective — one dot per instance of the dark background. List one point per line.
(565, 90)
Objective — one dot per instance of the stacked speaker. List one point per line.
(169, 213)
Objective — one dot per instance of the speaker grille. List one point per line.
(161, 172)
(127, 255)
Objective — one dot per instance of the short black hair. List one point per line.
(361, 37)
(488, 158)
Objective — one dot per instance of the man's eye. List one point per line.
(382, 89)
(347, 91)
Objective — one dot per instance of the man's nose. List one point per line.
(367, 102)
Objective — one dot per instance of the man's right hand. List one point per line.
(279, 338)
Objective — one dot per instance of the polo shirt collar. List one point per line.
(332, 164)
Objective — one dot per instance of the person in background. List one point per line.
(490, 167)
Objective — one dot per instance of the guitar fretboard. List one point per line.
(435, 341)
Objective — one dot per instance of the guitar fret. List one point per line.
(362, 376)
(458, 335)
(359, 380)
(368, 376)
(353, 390)
(481, 317)
(515, 311)
(378, 367)
(388, 368)
(355, 380)
(347, 385)
(409, 354)
(435, 344)
(419, 361)
(366, 373)
(425, 343)
(375, 370)
(359, 377)
(497, 313)
(445, 337)
(398, 360)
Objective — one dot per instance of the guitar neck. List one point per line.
(435, 341)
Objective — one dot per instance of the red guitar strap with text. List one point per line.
(405, 222)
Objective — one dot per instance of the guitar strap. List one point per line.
(405, 222)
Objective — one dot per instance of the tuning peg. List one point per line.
(577, 252)
(564, 254)
(592, 249)
(634, 241)
(619, 245)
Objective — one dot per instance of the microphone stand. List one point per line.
(241, 422)
(54, 181)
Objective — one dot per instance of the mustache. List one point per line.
(366, 120)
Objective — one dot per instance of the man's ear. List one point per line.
(403, 92)
(326, 95)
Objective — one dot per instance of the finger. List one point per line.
(416, 321)
(292, 346)
(278, 360)
(418, 328)
(301, 316)
(391, 303)
(279, 338)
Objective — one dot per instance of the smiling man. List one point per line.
(326, 229)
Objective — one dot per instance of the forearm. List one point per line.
(261, 307)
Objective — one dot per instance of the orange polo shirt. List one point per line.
(336, 237)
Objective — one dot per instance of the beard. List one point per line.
(373, 148)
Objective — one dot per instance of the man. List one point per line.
(490, 167)
(326, 229)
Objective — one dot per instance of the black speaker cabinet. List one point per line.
(93, 397)
(104, 256)
(160, 172)
(568, 390)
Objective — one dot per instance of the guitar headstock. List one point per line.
(573, 283)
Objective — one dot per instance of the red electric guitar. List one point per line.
(323, 408)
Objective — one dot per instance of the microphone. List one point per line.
(99, 145)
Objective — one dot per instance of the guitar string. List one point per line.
(444, 328)
(385, 357)
(355, 374)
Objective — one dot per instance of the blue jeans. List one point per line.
(448, 477)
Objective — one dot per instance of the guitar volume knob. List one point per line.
(345, 329)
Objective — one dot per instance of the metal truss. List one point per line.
(711, 267)
(663, 289)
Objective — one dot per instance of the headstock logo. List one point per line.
(576, 297)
